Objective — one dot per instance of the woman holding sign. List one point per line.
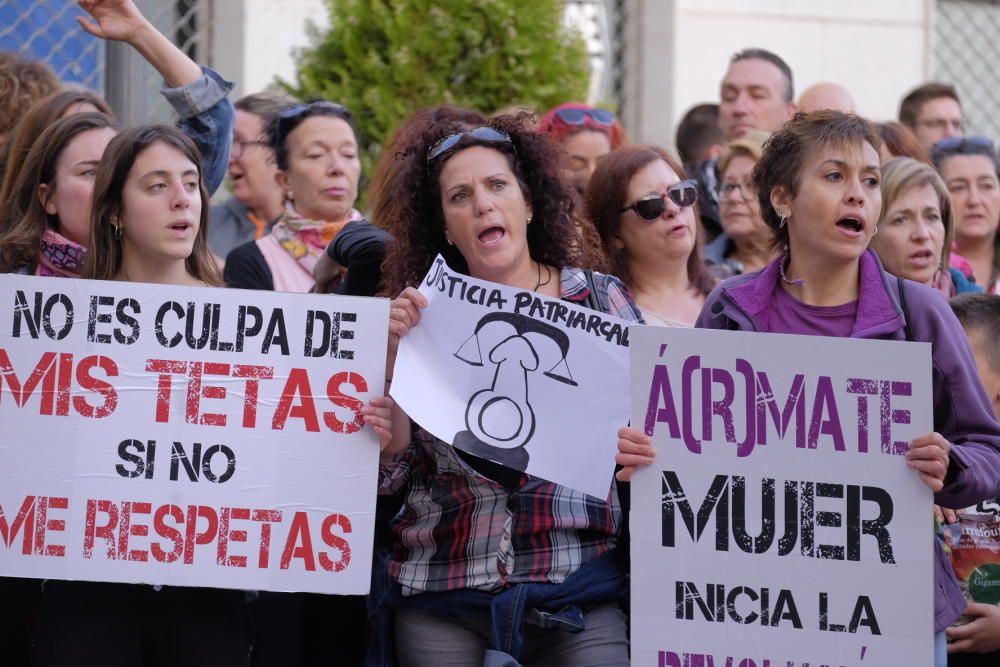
(476, 541)
(818, 183)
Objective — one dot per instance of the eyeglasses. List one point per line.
(682, 194)
(579, 116)
(729, 187)
(239, 147)
(484, 134)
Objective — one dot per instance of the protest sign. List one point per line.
(779, 525)
(191, 437)
(536, 384)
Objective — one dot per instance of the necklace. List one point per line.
(785, 279)
(548, 276)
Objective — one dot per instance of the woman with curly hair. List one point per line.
(479, 547)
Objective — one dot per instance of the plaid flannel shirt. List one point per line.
(458, 529)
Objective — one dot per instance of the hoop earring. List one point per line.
(875, 232)
(118, 232)
(782, 222)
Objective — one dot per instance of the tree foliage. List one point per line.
(386, 59)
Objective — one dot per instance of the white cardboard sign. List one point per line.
(191, 437)
(779, 525)
(537, 384)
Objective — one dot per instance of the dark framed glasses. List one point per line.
(482, 134)
(682, 194)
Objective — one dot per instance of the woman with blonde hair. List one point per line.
(917, 227)
(745, 242)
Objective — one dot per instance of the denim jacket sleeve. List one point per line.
(207, 116)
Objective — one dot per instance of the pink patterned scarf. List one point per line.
(59, 256)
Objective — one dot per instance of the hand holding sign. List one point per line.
(635, 449)
(929, 456)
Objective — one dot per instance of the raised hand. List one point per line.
(118, 20)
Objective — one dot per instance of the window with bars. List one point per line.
(966, 55)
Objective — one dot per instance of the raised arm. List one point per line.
(121, 21)
(198, 95)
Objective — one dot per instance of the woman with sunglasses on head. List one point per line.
(745, 244)
(587, 134)
(472, 536)
(917, 227)
(818, 184)
(316, 150)
(971, 170)
(644, 209)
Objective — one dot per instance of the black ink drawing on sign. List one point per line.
(499, 419)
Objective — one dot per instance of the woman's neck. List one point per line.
(659, 279)
(140, 270)
(753, 253)
(823, 283)
(527, 275)
(980, 253)
(665, 290)
(267, 211)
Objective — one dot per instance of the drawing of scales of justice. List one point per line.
(499, 419)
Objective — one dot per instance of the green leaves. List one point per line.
(385, 59)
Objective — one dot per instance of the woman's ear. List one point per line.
(45, 199)
(282, 180)
(781, 200)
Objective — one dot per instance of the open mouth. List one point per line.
(180, 227)
(852, 225)
(491, 235)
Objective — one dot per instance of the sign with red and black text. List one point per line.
(187, 436)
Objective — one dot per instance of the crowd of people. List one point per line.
(768, 215)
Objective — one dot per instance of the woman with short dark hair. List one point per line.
(818, 183)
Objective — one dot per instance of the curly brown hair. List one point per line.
(407, 201)
(22, 83)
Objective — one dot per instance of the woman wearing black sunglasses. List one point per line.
(474, 539)
(644, 209)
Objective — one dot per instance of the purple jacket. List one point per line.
(962, 412)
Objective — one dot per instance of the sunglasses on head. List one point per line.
(974, 143)
(579, 116)
(682, 194)
(289, 118)
(483, 134)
